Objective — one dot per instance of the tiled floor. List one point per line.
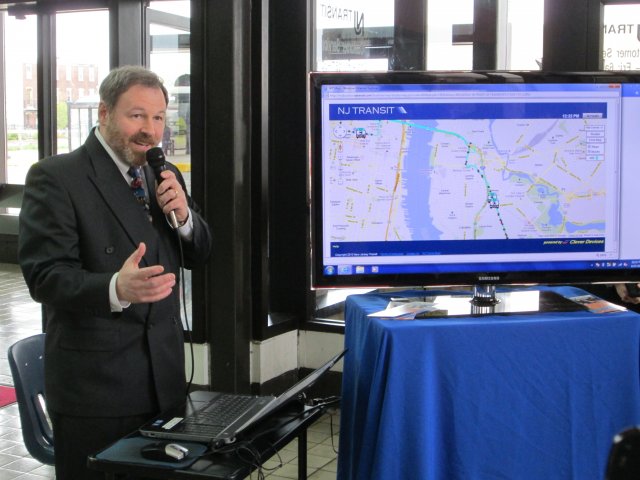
(322, 463)
(20, 318)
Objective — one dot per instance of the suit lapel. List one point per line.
(117, 195)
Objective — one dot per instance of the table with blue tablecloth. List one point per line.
(526, 396)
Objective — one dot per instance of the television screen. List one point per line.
(423, 179)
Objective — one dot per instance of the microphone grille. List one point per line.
(155, 157)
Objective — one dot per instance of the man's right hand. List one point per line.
(143, 285)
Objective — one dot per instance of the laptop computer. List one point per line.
(217, 418)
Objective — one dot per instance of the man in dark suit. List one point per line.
(106, 267)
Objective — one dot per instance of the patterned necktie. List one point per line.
(138, 189)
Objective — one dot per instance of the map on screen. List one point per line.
(472, 179)
(536, 171)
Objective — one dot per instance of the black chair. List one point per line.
(624, 456)
(26, 360)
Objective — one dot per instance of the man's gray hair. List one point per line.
(121, 79)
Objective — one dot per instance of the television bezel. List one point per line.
(530, 276)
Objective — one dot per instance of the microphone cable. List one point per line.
(182, 300)
(157, 162)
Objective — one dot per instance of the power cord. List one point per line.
(256, 461)
(318, 403)
(324, 402)
(333, 445)
(248, 453)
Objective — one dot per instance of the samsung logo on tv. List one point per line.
(488, 278)
(370, 109)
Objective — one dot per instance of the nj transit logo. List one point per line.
(361, 111)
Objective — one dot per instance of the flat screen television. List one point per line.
(474, 178)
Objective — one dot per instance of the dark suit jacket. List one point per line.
(79, 222)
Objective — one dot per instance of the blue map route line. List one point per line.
(492, 197)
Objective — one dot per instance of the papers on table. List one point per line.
(597, 304)
(410, 310)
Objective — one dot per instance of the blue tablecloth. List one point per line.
(526, 396)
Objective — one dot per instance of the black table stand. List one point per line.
(265, 440)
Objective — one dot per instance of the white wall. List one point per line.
(289, 351)
(274, 356)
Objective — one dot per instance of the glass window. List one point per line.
(170, 58)
(21, 114)
(353, 35)
(450, 29)
(446, 51)
(357, 35)
(77, 113)
(521, 36)
(621, 37)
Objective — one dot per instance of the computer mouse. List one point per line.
(171, 452)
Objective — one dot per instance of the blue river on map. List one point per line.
(417, 182)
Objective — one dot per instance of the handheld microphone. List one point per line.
(155, 159)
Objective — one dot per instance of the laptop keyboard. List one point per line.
(222, 410)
